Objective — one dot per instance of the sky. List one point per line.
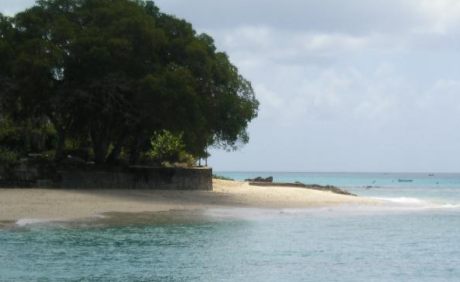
(356, 85)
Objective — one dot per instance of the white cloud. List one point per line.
(441, 99)
(441, 15)
(249, 44)
(328, 42)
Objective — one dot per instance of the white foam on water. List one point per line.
(99, 216)
(33, 221)
(450, 206)
(403, 200)
(30, 221)
(417, 203)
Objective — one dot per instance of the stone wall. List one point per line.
(134, 177)
(138, 178)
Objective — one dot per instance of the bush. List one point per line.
(28, 136)
(8, 157)
(187, 159)
(166, 147)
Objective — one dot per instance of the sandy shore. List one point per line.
(74, 204)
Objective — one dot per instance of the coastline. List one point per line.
(56, 204)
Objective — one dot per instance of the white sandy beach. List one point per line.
(75, 204)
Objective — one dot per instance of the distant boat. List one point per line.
(405, 180)
(431, 174)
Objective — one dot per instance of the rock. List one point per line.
(297, 184)
(261, 179)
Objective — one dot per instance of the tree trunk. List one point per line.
(100, 147)
(136, 149)
(114, 156)
(59, 155)
(100, 153)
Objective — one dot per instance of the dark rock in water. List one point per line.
(261, 179)
(329, 188)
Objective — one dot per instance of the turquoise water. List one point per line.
(359, 180)
(411, 239)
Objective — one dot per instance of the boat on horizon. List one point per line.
(405, 180)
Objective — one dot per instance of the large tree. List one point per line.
(6, 55)
(112, 73)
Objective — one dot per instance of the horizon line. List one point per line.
(380, 172)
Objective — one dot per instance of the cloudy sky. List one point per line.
(356, 85)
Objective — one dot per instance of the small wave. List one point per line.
(418, 203)
(450, 206)
(99, 216)
(403, 200)
(30, 221)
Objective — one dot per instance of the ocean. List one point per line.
(415, 237)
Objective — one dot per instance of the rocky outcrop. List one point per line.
(329, 188)
(261, 179)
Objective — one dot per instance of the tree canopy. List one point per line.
(105, 76)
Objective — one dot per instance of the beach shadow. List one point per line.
(173, 197)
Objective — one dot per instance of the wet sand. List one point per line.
(55, 204)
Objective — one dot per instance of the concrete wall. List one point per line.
(138, 178)
(111, 178)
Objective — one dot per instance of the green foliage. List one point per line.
(186, 159)
(107, 73)
(166, 147)
(28, 136)
(8, 157)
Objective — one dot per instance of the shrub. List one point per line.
(187, 159)
(8, 157)
(166, 147)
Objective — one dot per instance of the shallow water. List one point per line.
(325, 245)
(415, 238)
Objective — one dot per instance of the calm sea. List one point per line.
(416, 237)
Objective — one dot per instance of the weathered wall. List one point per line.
(111, 178)
(138, 178)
